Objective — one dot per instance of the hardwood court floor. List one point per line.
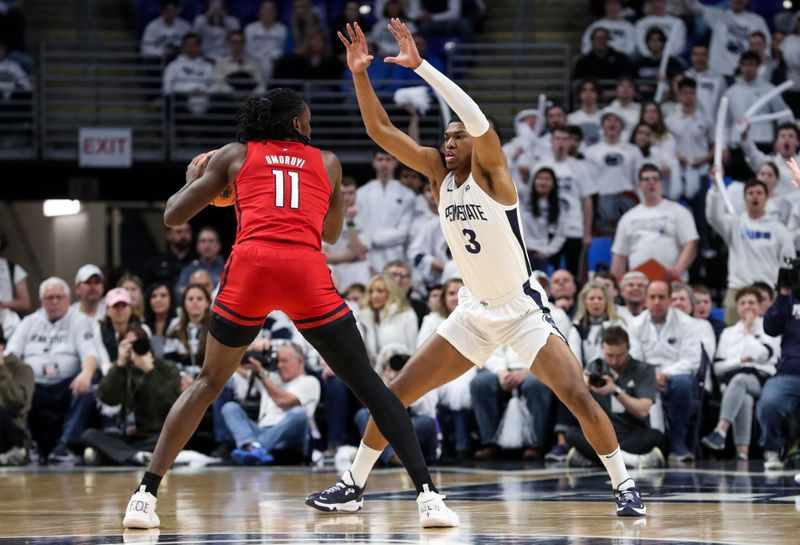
(553, 506)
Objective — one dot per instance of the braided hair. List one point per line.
(270, 117)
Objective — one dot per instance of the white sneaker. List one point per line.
(653, 459)
(433, 513)
(141, 512)
(772, 461)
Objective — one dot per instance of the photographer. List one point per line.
(781, 395)
(286, 408)
(146, 388)
(626, 389)
(16, 394)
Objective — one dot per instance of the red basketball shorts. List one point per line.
(259, 279)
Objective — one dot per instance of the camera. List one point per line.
(598, 373)
(789, 276)
(398, 361)
(267, 358)
(141, 346)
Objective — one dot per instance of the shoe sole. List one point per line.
(139, 523)
(438, 523)
(349, 507)
(632, 512)
(711, 445)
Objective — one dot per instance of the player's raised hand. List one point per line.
(795, 169)
(358, 57)
(409, 55)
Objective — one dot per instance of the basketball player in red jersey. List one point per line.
(287, 199)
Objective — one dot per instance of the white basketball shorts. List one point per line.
(521, 320)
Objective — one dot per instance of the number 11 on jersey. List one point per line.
(294, 190)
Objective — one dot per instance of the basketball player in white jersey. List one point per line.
(500, 303)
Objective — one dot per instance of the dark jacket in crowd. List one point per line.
(16, 391)
(783, 318)
(148, 396)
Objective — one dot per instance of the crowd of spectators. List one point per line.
(676, 356)
(220, 57)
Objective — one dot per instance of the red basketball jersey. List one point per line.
(282, 195)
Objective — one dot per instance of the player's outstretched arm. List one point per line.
(206, 176)
(489, 151)
(379, 127)
(332, 227)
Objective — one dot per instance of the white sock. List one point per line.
(723, 433)
(615, 466)
(362, 465)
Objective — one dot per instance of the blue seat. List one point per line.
(599, 252)
(718, 313)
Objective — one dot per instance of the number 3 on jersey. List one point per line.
(474, 246)
(294, 190)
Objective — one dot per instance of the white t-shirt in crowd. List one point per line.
(616, 166)
(710, 86)
(6, 282)
(158, 36)
(54, 350)
(741, 95)
(693, 133)
(385, 213)
(622, 36)
(574, 183)
(305, 388)
(666, 23)
(654, 232)
(729, 34)
(214, 38)
(630, 115)
(266, 45)
(589, 124)
(9, 320)
(757, 247)
(351, 272)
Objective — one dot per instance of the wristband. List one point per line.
(350, 224)
(617, 391)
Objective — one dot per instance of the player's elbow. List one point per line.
(172, 218)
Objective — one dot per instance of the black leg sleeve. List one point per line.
(641, 441)
(341, 346)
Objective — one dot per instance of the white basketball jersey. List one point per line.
(485, 239)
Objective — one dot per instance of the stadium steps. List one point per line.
(515, 21)
(85, 89)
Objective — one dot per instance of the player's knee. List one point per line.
(210, 386)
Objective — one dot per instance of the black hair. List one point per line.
(615, 336)
(575, 130)
(600, 29)
(455, 119)
(755, 183)
(553, 206)
(270, 117)
(750, 56)
(787, 126)
(763, 286)
(655, 30)
(649, 167)
(149, 315)
(687, 82)
(190, 36)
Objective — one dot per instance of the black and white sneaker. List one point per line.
(629, 502)
(343, 497)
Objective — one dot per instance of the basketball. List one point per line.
(225, 198)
